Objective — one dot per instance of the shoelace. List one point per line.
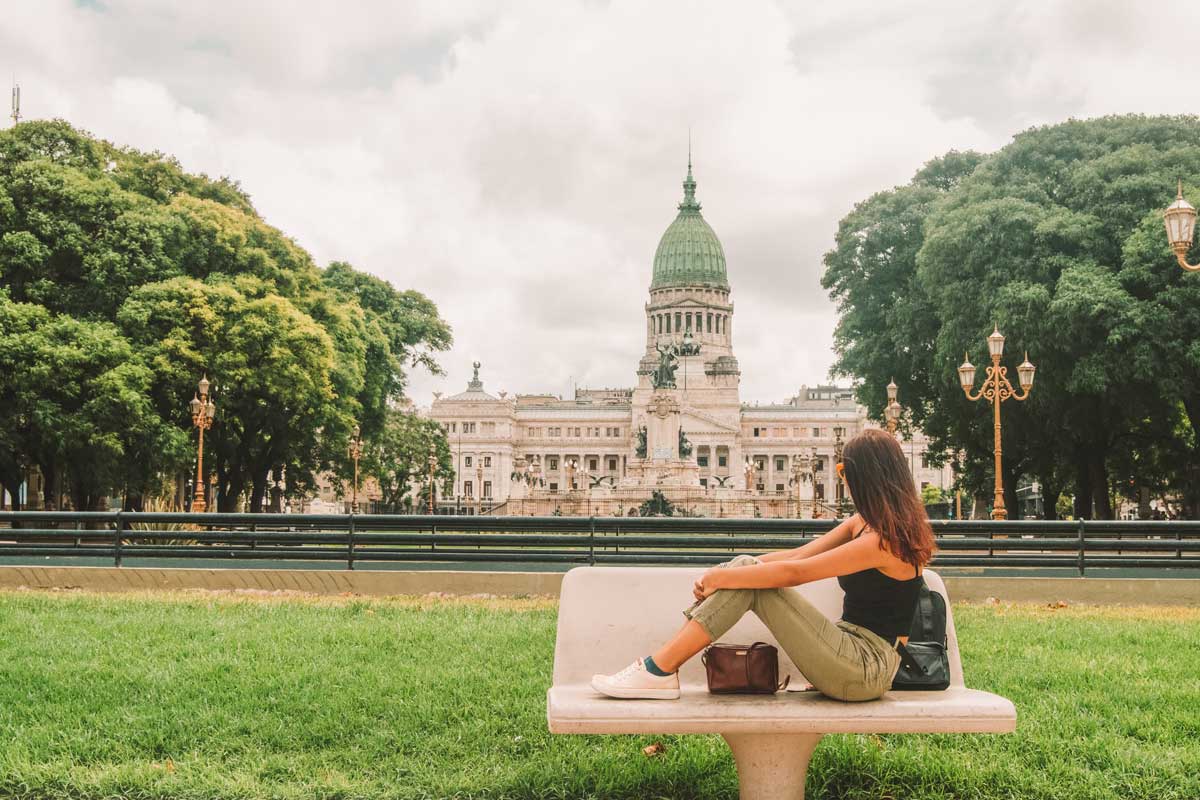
(629, 670)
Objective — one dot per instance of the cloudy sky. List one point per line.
(518, 161)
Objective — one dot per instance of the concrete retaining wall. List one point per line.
(1123, 591)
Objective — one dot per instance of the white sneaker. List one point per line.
(635, 682)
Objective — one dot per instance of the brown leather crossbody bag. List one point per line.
(743, 669)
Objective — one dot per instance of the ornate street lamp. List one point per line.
(996, 389)
(801, 467)
(839, 490)
(892, 412)
(478, 485)
(355, 452)
(433, 463)
(1180, 221)
(203, 411)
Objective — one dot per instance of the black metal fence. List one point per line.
(41, 537)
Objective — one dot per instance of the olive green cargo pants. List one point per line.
(842, 660)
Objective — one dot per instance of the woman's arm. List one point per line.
(825, 542)
(862, 553)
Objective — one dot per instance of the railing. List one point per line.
(33, 537)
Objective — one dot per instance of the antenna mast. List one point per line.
(16, 103)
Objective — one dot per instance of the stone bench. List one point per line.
(609, 615)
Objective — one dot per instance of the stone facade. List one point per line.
(682, 430)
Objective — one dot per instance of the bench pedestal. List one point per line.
(772, 766)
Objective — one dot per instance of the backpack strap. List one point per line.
(925, 606)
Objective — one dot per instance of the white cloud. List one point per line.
(518, 162)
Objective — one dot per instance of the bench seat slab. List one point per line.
(580, 709)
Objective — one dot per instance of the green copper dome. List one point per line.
(689, 253)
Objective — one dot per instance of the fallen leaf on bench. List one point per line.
(654, 749)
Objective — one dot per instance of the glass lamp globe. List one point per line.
(1180, 221)
(996, 343)
(966, 373)
(1025, 371)
(204, 384)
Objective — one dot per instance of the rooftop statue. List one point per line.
(664, 373)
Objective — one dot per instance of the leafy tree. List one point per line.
(1055, 238)
(271, 367)
(161, 276)
(932, 495)
(78, 407)
(398, 458)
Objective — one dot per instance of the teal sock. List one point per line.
(653, 668)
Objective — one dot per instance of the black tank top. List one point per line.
(879, 603)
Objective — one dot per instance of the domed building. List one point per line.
(682, 430)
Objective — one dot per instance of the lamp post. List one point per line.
(479, 485)
(800, 471)
(892, 411)
(355, 452)
(839, 490)
(432, 469)
(1180, 221)
(203, 411)
(996, 389)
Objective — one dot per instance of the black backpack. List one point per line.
(924, 663)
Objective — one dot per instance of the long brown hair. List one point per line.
(883, 491)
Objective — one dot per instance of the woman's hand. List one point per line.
(706, 584)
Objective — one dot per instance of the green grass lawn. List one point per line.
(197, 695)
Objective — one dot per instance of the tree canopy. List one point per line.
(1057, 239)
(124, 279)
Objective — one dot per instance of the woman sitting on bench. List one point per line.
(877, 556)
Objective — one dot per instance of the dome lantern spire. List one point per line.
(689, 185)
(689, 253)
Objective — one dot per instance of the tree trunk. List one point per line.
(1050, 495)
(12, 482)
(1012, 503)
(1083, 488)
(49, 476)
(258, 490)
(1098, 474)
(230, 496)
(1190, 479)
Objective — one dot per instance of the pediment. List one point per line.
(695, 421)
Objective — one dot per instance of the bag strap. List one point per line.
(925, 601)
(907, 660)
